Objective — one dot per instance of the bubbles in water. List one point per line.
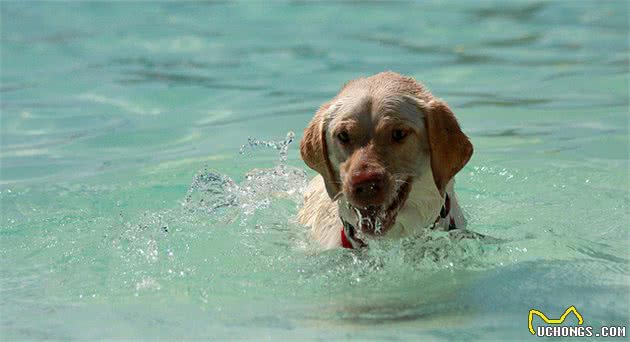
(147, 283)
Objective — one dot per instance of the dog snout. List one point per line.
(368, 187)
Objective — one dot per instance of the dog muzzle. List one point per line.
(348, 232)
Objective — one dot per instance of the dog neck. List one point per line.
(351, 241)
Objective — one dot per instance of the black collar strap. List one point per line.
(446, 208)
(348, 238)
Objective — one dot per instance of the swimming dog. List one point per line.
(386, 151)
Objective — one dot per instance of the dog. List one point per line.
(386, 151)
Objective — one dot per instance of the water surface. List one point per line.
(128, 210)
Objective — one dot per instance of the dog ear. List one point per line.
(450, 147)
(314, 150)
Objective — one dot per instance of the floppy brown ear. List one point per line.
(450, 147)
(314, 151)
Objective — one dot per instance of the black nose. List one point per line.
(368, 188)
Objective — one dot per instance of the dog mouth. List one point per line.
(377, 220)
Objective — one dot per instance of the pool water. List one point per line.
(134, 206)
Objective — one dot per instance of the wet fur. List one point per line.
(436, 151)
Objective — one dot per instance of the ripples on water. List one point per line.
(162, 250)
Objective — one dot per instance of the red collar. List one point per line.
(348, 240)
(345, 243)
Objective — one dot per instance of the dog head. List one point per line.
(385, 145)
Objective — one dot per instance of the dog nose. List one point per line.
(368, 186)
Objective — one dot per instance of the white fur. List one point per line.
(422, 207)
(321, 215)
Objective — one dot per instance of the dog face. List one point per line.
(385, 146)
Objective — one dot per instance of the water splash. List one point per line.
(211, 191)
(375, 222)
(282, 146)
(153, 248)
(259, 194)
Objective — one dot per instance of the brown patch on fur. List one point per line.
(450, 147)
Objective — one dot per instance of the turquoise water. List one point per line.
(129, 211)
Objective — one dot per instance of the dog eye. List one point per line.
(398, 135)
(343, 137)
